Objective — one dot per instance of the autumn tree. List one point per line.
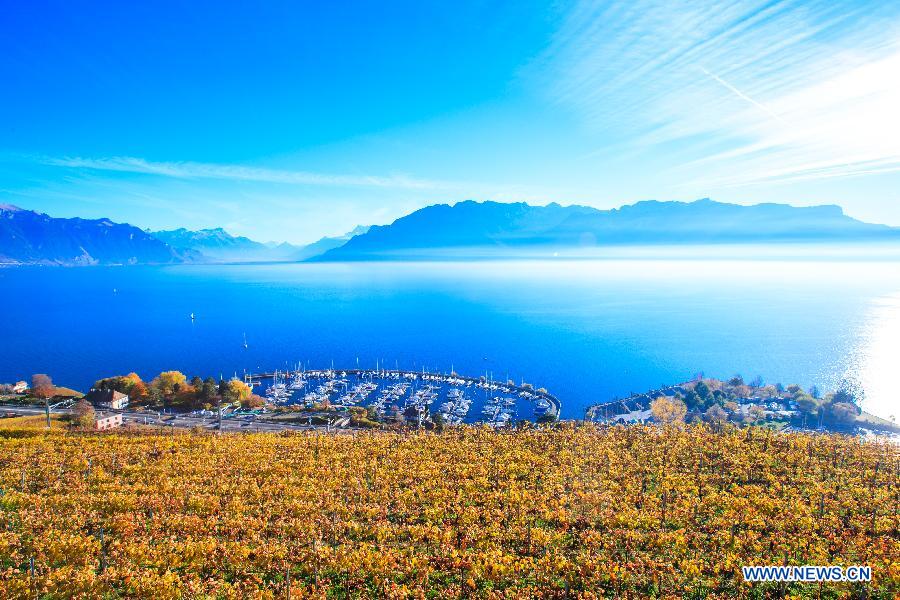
(42, 388)
(794, 389)
(807, 405)
(769, 391)
(83, 414)
(253, 401)
(667, 410)
(139, 392)
(154, 396)
(742, 391)
(716, 414)
(756, 413)
(130, 384)
(842, 412)
(169, 382)
(186, 395)
(209, 390)
(236, 391)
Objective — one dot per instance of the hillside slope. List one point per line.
(568, 512)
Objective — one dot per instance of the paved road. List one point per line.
(235, 423)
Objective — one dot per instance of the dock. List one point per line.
(529, 391)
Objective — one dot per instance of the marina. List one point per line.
(410, 396)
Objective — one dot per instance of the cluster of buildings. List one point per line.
(636, 407)
(104, 402)
(108, 400)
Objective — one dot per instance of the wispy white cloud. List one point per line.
(188, 170)
(843, 126)
(445, 190)
(736, 93)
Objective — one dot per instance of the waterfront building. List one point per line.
(107, 399)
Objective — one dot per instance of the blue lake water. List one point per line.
(586, 330)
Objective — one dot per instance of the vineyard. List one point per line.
(569, 512)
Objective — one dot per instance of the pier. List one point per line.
(522, 390)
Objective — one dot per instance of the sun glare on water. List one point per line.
(877, 357)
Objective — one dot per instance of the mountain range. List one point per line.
(492, 228)
(218, 245)
(28, 237)
(466, 229)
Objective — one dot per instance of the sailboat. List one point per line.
(245, 342)
(192, 316)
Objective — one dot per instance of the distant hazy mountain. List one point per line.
(465, 230)
(217, 245)
(28, 237)
(519, 227)
(328, 243)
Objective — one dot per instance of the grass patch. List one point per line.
(33, 423)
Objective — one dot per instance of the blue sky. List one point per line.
(289, 121)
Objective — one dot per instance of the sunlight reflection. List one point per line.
(877, 358)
